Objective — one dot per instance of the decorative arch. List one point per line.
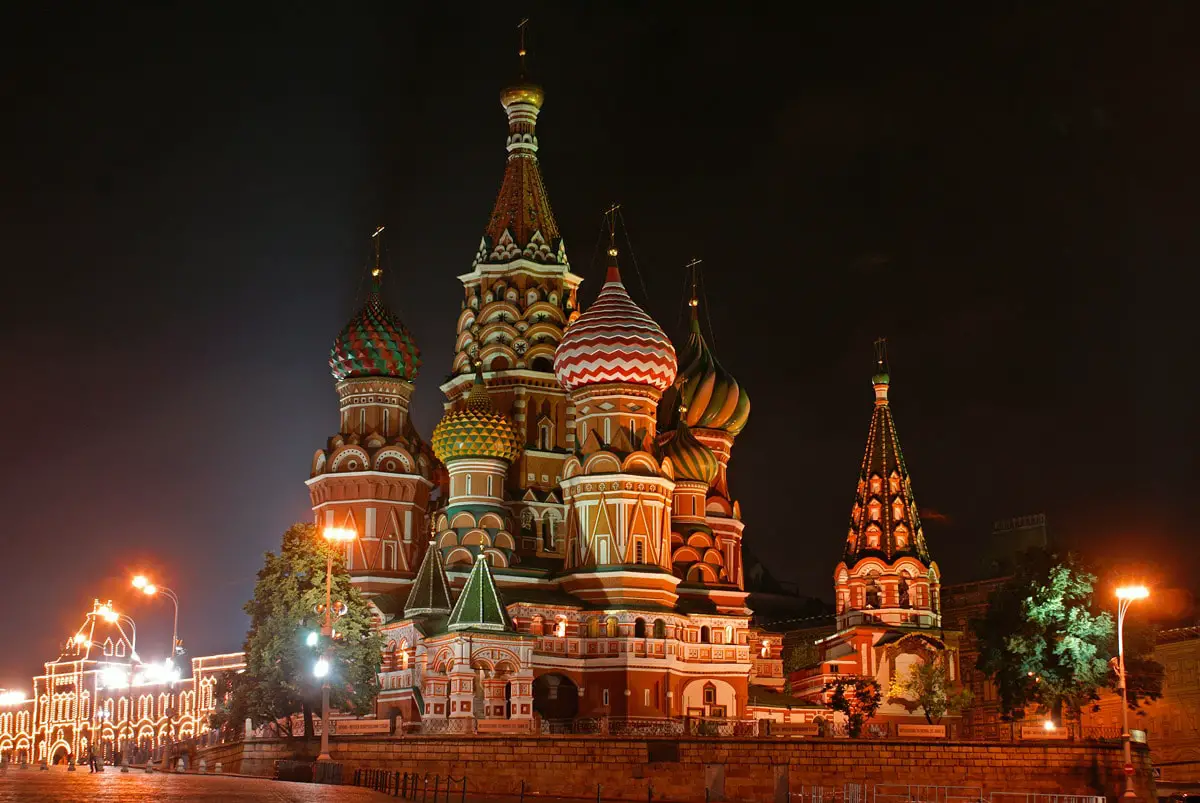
(394, 460)
(349, 458)
(491, 520)
(459, 555)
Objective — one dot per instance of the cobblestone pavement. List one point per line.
(58, 785)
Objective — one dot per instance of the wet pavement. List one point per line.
(113, 786)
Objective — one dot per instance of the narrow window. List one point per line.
(607, 430)
(639, 552)
(646, 697)
(467, 485)
(490, 492)
(606, 696)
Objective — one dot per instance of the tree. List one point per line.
(930, 686)
(795, 658)
(278, 681)
(859, 704)
(1042, 640)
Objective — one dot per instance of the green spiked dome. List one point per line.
(692, 459)
(479, 606)
(476, 430)
(374, 343)
(714, 399)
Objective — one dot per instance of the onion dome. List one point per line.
(476, 430)
(713, 399)
(614, 341)
(692, 459)
(374, 343)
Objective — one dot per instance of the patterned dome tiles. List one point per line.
(615, 341)
(374, 343)
(477, 430)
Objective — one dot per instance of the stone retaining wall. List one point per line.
(731, 769)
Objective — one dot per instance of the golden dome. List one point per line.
(522, 93)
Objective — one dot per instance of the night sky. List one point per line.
(188, 195)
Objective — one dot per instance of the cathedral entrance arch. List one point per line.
(555, 696)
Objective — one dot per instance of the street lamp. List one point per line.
(1126, 595)
(143, 584)
(333, 535)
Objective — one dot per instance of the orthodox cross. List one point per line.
(693, 268)
(611, 214)
(378, 269)
(521, 47)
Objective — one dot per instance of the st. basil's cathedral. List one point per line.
(567, 544)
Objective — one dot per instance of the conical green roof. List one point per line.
(479, 606)
(430, 592)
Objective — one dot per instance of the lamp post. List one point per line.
(333, 535)
(1126, 595)
(141, 583)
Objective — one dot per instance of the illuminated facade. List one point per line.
(574, 549)
(99, 692)
(887, 587)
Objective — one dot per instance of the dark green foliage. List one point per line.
(858, 699)
(1044, 641)
(278, 681)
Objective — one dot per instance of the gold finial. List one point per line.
(521, 46)
(377, 271)
(693, 266)
(611, 214)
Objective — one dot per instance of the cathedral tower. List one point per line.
(375, 474)
(477, 444)
(708, 404)
(615, 363)
(886, 573)
(518, 297)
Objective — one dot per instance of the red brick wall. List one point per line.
(574, 765)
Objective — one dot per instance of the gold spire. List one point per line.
(523, 91)
(377, 271)
(694, 301)
(614, 273)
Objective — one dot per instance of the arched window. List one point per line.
(660, 628)
(639, 628)
(544, 440)
(467, 485)
(607, 431)
(901, 537)
(611, 627)
(560, 627)
(897, 510)
(902, 592)
(729, 634)
(705, 635)
(872, 593)
(873, 537)
(874, 510)
(549, 530)
(593, 630)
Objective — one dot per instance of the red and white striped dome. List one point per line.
(615, 341)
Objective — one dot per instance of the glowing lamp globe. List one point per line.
(321, 668)
(1132, 592)
(339, 534)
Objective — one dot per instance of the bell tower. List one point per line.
(375, 474)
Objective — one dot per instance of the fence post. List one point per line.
(598, 793)
(522, 790)
(437, 781)
(649, 793)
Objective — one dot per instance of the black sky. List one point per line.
(188, 190)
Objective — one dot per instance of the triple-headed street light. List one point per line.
(1126, 596)
(334, 535)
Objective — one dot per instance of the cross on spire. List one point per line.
(377, 271)
(693, 268)
(521, 43)
(611, 214)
